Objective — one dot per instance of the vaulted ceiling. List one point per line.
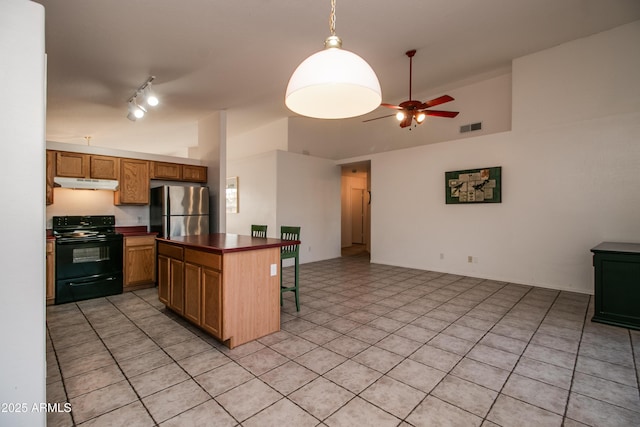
(210, 55)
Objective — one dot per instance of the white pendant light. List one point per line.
(333, 83)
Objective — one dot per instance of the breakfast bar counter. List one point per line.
(227, 284)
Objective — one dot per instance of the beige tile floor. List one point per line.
(373, 345)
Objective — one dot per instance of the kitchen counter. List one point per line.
(134, 230)
(224, 243)
(226, 284)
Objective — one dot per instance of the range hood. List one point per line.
(85, 183)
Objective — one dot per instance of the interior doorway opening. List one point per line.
(356, 209)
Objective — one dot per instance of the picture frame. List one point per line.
(232, 195)
(472, 186)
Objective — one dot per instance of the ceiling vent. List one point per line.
(471, 127)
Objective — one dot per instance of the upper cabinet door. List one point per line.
(72, 165)
(104, 167)
(194, 173)
(169, 171)
(134, 183)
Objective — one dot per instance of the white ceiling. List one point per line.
(210, 55)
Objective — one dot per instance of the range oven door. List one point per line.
(69, 290)
(88, 268)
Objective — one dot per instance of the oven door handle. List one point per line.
(91, 280)
(88, 240)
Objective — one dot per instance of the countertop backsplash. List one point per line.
(95, 202)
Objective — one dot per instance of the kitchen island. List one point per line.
(227, 284)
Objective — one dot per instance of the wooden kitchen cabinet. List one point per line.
(79, 165)
(51, 271)
(168, 171)
(134, 183)
(171, 277)
(192, 291)
(194, 173)
(230, 284)
(50, 173)
(104, 167)
(139, 262)
(72, 165)
(211, 295)
(164, 277)
(178, 172)
(203, 290)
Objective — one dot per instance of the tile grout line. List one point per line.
(170, 357)
(62, 380)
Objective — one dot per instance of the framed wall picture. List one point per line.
(232, 195)
(470, 186)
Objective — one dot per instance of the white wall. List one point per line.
(487, 100)
(22, 217)
(281, 188)
(266, 138)
(569, 176)
(257, 185)
(308, 196)
(68, 201)
(212, 146)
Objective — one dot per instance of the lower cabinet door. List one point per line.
(192, 291)
(163, 279)
(212, 302)
(176, 290)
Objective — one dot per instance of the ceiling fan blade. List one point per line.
(439, 113)
(437, 101)
(378, 118)
(395, 107)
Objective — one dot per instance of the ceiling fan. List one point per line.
(415, 110)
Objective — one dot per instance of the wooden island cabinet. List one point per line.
(227, 284)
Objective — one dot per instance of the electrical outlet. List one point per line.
(274, 269)
(469, 258)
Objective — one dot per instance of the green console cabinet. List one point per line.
(617, 284)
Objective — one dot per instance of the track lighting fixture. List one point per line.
(147, 95)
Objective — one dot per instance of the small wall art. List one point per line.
(232, 196)
(470, 186)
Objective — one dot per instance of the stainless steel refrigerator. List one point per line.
(179, 211)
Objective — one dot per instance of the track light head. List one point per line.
(150, 96)
(135, 111)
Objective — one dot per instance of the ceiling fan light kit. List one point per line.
(333, 83)
(146, 93)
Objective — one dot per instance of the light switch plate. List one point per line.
(274, 269)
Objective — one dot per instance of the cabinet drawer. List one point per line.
(206, 259)
(170, 251)
(139, 240)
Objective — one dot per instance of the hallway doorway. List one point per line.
(356, 209)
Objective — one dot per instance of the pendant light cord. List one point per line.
(332, 18)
